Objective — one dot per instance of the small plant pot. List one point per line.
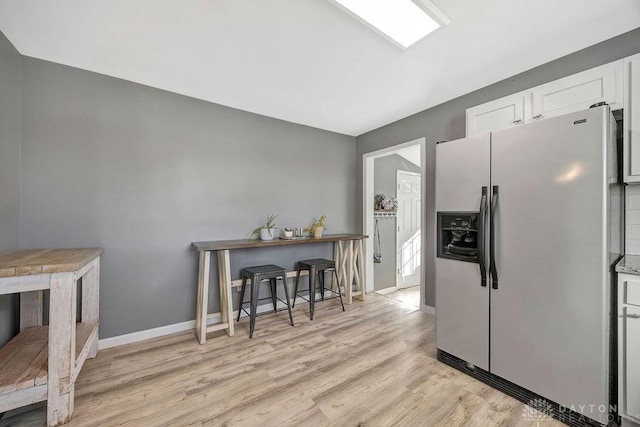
(317, 232)
(266, 234)
(288, 234)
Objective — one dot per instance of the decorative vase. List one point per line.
(317, 232)
(266, 234)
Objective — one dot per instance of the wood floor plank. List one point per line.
(372, 365)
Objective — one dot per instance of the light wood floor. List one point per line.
(374, 365)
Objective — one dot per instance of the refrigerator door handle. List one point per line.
(492, 241)
(481, 238)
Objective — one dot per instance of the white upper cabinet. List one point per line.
(579, 92)
(631, 119)
(499, 114)
(573, 93)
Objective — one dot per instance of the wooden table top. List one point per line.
(44, 261)
(217, 245)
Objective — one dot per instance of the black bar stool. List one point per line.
(257, 275)
(317, 268)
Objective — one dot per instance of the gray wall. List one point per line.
(447, 121)
(384, 181)
(143, 173)
(10, 116)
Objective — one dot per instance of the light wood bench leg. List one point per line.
(341, 259)
(359, 268)
(336, 259)
(199, 294)
(91, 300)
(62, 351)
(224, 289)
(349, 263)
(203, 296)
(30, 309)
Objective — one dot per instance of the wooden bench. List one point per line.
(348, 255)
(43, 362)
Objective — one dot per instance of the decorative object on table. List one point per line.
(384, 202)
(266, 231)
(377, 249)
(288, 233)
(317, 227)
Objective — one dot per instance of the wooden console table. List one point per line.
(347, 253)
(43, 362)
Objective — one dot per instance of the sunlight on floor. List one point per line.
(409, 296)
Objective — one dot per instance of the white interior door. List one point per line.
(408, 238)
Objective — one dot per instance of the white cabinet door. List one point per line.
(632, 361)
(631, 119)
(579, 91)
(500, 114)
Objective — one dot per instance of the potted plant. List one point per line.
(266, 231)
(288, 233)
(317, 227)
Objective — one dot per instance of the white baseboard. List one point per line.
(146, 334)
(429, 309)
(171, 329)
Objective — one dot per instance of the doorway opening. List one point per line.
(394, 219)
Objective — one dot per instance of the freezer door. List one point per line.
(549, 323)
(462, 303)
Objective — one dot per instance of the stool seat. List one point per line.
(257, 274)
(318, 263)
(317, 268)
(262, 270)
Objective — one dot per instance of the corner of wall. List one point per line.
(10, 181)
(20, 154)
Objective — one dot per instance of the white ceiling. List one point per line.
(306, 61)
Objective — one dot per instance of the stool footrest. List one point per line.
(265, 312)
(262, 299)
(317, 300)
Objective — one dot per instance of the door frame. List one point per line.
(367, 210)
(397, 245)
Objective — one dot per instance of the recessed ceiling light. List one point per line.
(402, 21)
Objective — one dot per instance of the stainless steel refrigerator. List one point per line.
(529, 226)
